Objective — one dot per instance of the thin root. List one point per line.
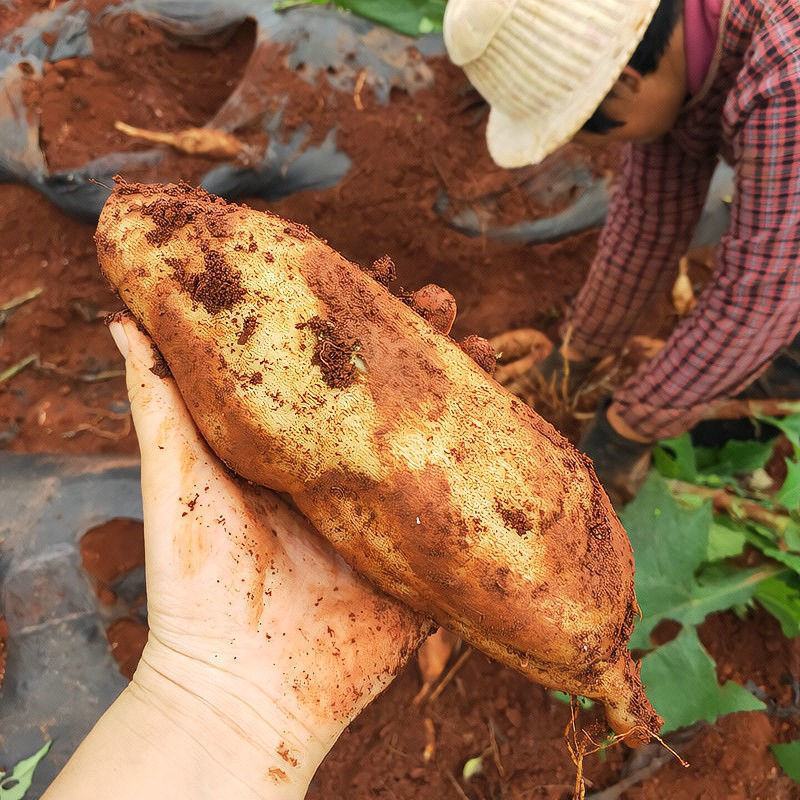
(462, 659)
(582, 745)
(15, 369)
(21, 299)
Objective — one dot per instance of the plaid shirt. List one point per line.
(748, 112)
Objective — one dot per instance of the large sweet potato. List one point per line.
(306, 375)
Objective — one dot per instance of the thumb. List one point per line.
(176, 464)
(168, 439)
(154, 398)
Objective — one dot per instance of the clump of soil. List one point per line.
(333, 354)
(217, 288)
(514, 519)
(382, 270)
(480, 350)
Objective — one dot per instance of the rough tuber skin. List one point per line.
(442, 488)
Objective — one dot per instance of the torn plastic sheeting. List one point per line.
(563, 175)
(60, 674)
(337, 46)
(588, 211)
(67, 22)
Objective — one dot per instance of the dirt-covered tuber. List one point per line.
(306, 375)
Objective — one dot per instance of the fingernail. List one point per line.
(120, 338)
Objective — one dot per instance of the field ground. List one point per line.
(73, 400)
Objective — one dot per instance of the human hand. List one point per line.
(263, 643)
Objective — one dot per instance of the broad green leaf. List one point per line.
(726, 539)
(765, 540)
(675, 458)
(789, 495)
(780, 595)
(739, 458)
(788, 756)
(14, 785)
(670, 543)
(792, 536)
(681, 682)
(412, 17)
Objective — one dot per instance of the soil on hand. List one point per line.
(72, 396)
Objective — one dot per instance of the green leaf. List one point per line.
(789, 427)
(740, 458)
(788, 756)
(791, 560)
(675, 458)
(792, 536)
(780, 595)
(681, 682)
(789, 495)
(726, 539)
(15, 785)
(412, 17)
(670, 544)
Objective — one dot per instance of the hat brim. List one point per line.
(533, 133)
(514, 141)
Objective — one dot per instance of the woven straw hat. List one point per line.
(544, 66)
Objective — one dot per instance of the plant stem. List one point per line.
(741, 409)
(726, 503)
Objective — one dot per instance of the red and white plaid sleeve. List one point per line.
(655, 206)
(752, 307)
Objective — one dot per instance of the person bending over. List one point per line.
(682, 83)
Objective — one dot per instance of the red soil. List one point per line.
(403, 154)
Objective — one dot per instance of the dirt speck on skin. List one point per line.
(286, 755)
(278, 775)
(248, 329)
(332, 353)
(515, 519)
(217, 288)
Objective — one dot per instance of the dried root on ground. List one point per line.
(193, 141)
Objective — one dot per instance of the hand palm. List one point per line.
(243, 594)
